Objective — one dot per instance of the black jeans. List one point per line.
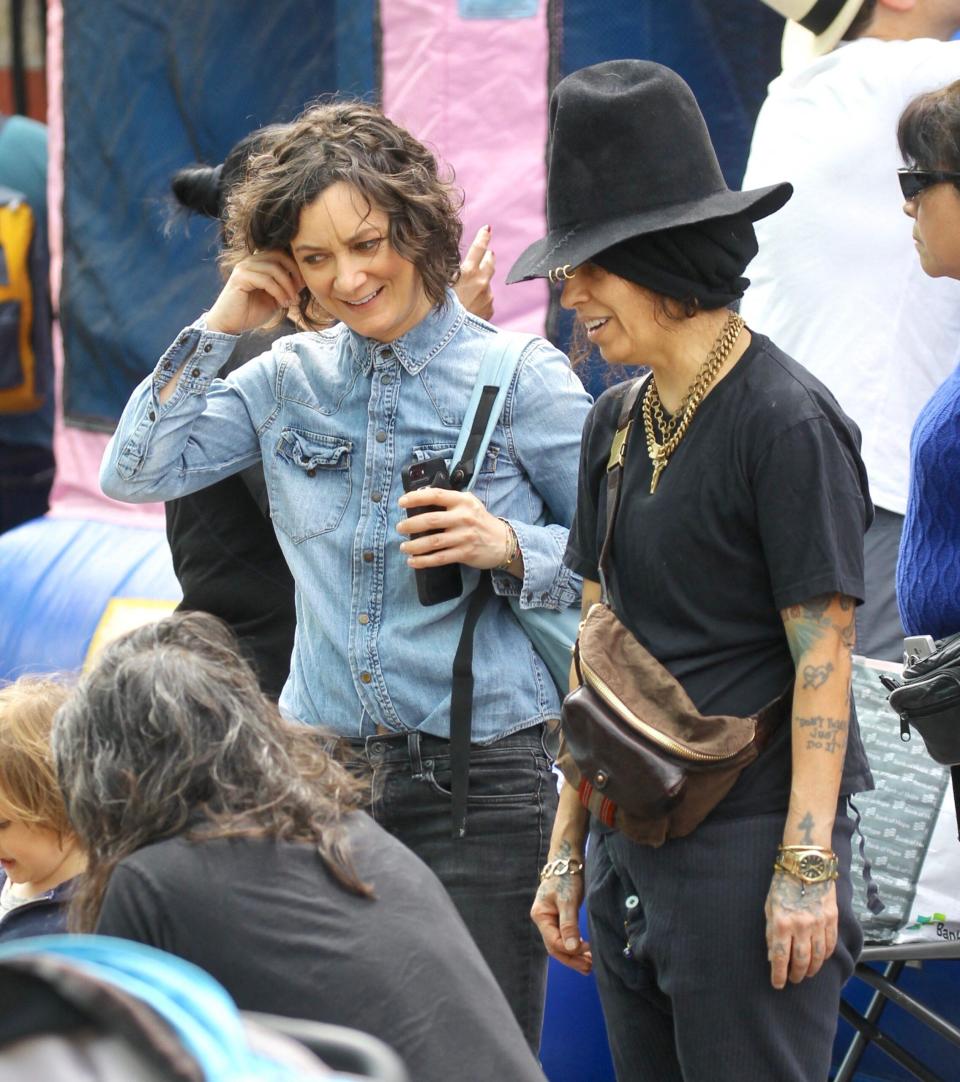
(491, 874)
(680, 955)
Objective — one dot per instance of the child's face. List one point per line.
(32, 855)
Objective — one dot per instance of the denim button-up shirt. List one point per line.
(334, 418)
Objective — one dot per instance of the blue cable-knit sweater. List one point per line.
(928, 570)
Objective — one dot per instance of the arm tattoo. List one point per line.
(563, 885)
(795, 897)
(807, 824)
(815, 676)
(808, 623)
(827, 734)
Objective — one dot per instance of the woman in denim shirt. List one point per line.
(347, 217)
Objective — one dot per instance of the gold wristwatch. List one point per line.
(808, 863)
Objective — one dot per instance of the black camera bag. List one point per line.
(928, 699)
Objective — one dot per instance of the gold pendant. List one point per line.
(658, 468)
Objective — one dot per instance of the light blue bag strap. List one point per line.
(497, 368)
(195, 1005)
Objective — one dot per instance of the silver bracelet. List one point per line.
(561, 866)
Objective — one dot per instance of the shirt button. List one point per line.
(386, 378)
(207, 347)
(365, 678)
(152, 415)
(195, 373)
(376, 496)
(312, 472)
(368, 556)
(363, 618)
(632, 902)
(381, 437)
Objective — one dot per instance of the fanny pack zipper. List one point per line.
(652, 734)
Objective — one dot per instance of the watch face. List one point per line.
(812, 865)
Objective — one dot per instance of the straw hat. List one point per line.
(814, 27)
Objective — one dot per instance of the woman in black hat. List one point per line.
(737, 563)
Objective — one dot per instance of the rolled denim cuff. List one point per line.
(205, 352)
(547, 582)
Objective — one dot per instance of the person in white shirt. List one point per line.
(837, 284)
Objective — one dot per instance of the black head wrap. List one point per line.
(705, 261)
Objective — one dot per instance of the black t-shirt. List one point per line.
(269, 922)
(763, 505)
(227, 558)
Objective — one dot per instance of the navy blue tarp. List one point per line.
(147, 88)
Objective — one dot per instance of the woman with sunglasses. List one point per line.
(928, 570)
(736, 562)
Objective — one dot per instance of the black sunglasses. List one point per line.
(913, 181)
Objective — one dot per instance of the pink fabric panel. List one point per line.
(76, 492)
(476, 91)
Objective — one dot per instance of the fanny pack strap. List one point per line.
(618, 455)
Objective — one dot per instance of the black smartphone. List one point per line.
(434, 584)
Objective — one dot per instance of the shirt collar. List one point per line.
(415, 349)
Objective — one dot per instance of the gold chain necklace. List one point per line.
(672, 431)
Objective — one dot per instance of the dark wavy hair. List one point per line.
(929, 130)
(203, 189)
(353, 142)
(170, 735)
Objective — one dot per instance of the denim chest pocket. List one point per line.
(445, 451)
(496, 478)
(312, 485)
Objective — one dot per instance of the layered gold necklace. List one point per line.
(672, 432)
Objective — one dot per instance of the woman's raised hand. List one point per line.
(258, 286)
(476, 273)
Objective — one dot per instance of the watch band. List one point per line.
(810, 864)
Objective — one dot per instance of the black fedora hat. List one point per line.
(630, 154)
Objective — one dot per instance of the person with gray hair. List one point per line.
(225, 835)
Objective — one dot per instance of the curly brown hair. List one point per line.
(351, 142)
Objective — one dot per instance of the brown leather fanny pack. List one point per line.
(640, 754)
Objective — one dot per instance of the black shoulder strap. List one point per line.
(461, 705)
(618, 455)
(461, 472)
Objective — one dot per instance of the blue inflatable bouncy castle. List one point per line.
(68, 584)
